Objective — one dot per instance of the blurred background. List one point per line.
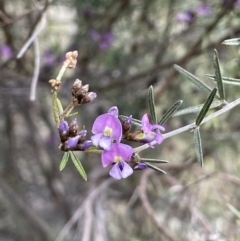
(124, 47)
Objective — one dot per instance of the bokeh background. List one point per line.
(124, 47)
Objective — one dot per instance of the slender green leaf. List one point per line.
(72, 114)
(218, 75)
(64, 161)
(170, 112)
(78, 165)
(198, 146)
(234, 210)
(155, 168)
(69, 112)
(151, 104)
(60, 108)
(197, 108)
(233, 41)
(206, 107)
(226, 80)
(194, 79)
(135, 122)
(153, 160)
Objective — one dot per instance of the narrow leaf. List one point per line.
(226, 80)
(60, 108)
(170, 112)
(233, 41)
(153, 160)
(198, 146)
(206, 107)
(155, 168)
(197, 108)
(194, 79)
(151, 104)
(135, 122)
(78, 165)
(234, 210)
(69, 112)
(218, 75)
(64, 161)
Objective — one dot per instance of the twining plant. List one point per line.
(110, 129)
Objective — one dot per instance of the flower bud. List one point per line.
(126, 125)
(77, 85)
(89, 97)
(63, 131)
(73, 128)
(71, 143)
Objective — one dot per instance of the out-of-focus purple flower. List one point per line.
(229, 3)
(48, 58)
(204, 9)
(96, 36)
(106, 129)
(151, 131)
(104, 40)
(187, 16)
(72, 142)
(118, 155)
(5, 52)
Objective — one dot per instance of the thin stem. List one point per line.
(193, 125)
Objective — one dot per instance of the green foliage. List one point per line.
(64, 161)
(78, 165)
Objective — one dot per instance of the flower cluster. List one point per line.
(108, 133)
(71, 138)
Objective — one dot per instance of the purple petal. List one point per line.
(159, 138)
(72, 142)
(63, 127)
(113, 111)
(115, 172)
(86, 144)
(96, 139)
(141, 166)
(146, 126)
(159, 127)
(121, 170)
(105, 142)
(107, 157)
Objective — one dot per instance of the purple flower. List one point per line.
(187, 16)
(5, 52)
(72, 142)
(106, 128)
(118, 155)
(204, 9)
(104, 40)
(149, 133)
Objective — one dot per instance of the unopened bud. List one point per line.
(73, 128)
(72, 58)
(90, 96)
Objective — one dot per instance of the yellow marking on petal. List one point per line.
(118, 159)
(107, 131)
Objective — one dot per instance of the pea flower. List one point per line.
(151, 132)
(118, 155)
(106, 129)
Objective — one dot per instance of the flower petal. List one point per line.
(127, 170)
(72, 142)
(113, 111)
(105, 143)
(96, 139)
(115, 172)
